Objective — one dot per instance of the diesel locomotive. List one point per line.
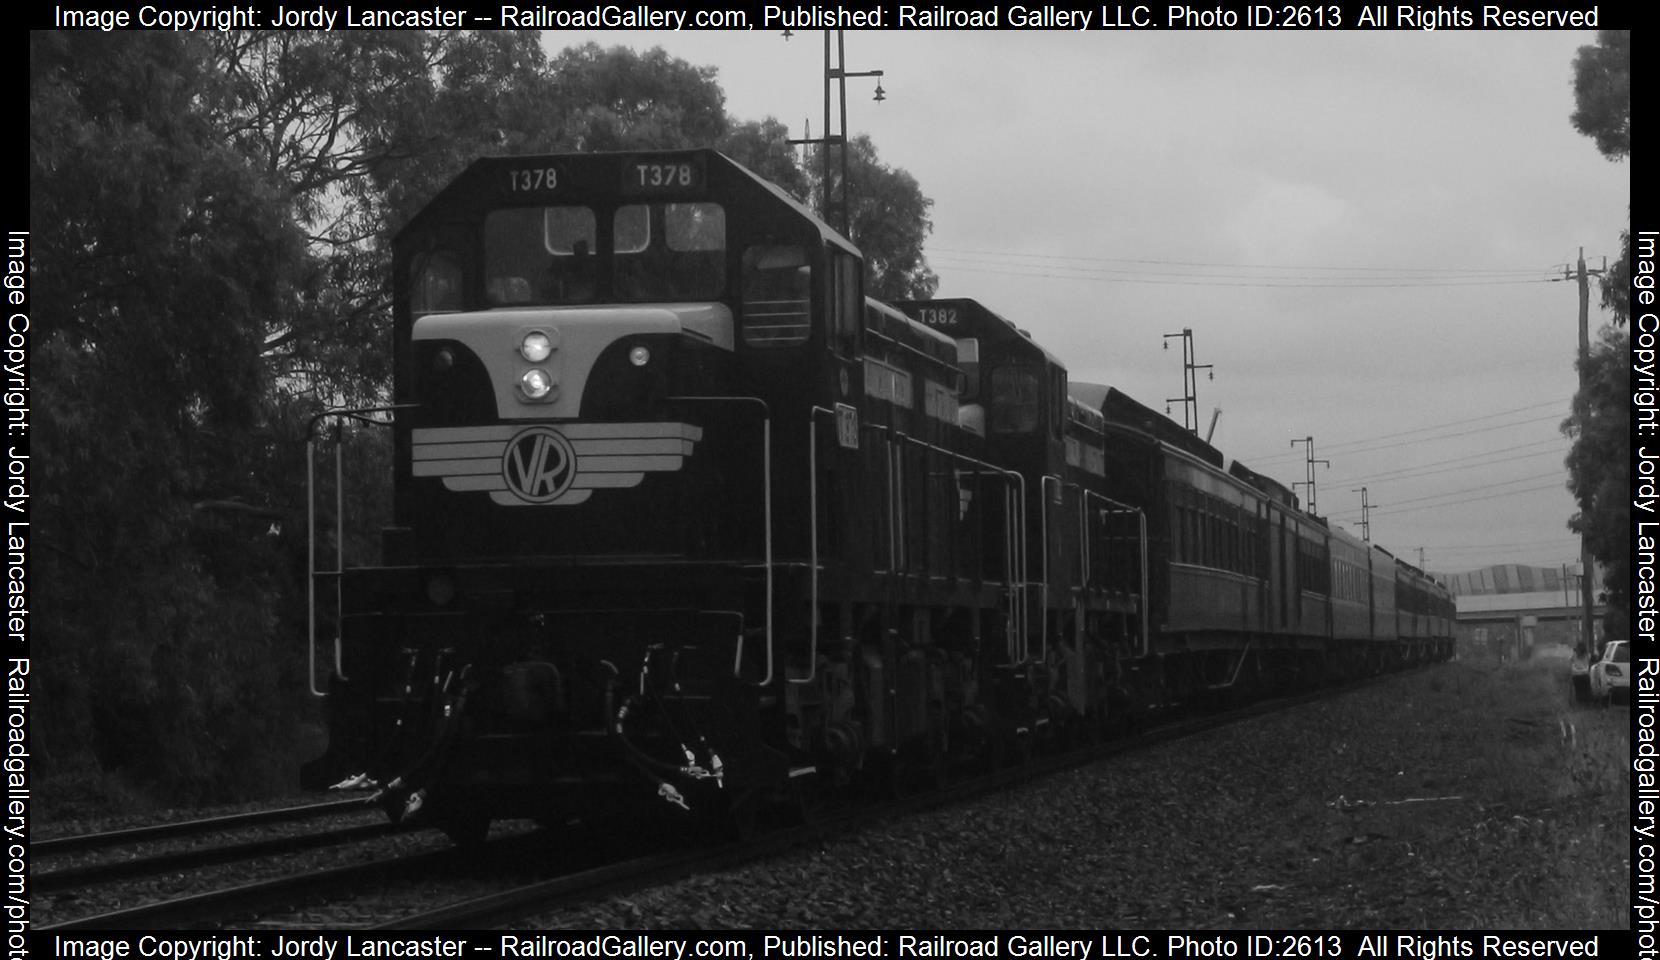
(683, 520)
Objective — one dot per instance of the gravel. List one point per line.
(1459, 796)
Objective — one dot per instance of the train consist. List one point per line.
(682, 519)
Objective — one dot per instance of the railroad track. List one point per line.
(626, 876)
(190, 828)
(587, 874)
(253, 899)
(105, 871)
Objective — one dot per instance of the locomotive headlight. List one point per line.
(536, 383)
(536, 346)
(639, 356)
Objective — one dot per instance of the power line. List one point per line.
(1200, 280)
(1501, 483)
(1399, 506)
(1440, 426)
(1354, 445)
(1003, 256)
(1415, 472)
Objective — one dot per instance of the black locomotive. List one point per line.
(682, 519)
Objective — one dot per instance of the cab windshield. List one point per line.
(552, 256)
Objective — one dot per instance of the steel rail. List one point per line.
(250, 898)
(184, 828)
(103, 872)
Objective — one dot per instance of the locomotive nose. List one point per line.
(541, 362)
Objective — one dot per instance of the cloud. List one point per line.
(1284, 222)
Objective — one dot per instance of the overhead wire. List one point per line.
(1205, 273)
(1199, 280)
(1417, 503)
(1480, 460)
(1153, 261)
(1370, 444)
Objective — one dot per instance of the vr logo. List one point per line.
(538, 465)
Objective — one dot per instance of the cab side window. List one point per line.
(845, 309)
(1014, 400)
(777, 296)
(435, 283)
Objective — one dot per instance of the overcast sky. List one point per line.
(1356, 226)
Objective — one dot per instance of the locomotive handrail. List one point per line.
(1085, 559)
(1043, 568)
(812, 546)
(361, 414)
(1014, 530)
(1141, 518)
(812, 503)
(766, 509)
(907, 348)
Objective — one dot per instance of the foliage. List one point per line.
(1616, 283)
(890, 222)
(1599, 461)
(618, 99)
(628, 100)
(218, 271)
(1602, 93)
(764, 147)
(167, 251)
(887, 220)
(358, 129)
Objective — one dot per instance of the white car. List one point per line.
(1612, 674)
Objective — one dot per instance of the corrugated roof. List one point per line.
(1499, 602)
(1511, 579)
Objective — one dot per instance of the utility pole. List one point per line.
(837, 74)
(1588, 565)
(1190, 381)
(1309, 483)
(1365, 515)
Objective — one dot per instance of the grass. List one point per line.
(1551, 844)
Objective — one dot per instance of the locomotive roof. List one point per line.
(1276, 491)
(1083, 413)
(890, 324)
(586, 176)
(1119, 407)
(961, 317)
